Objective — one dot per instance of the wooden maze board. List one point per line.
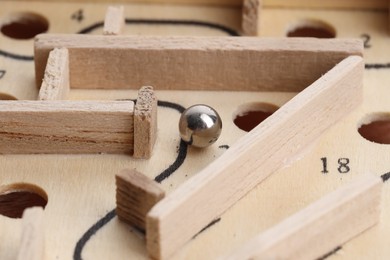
(79, 218)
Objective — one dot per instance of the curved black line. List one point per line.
(225, 146)
(176, 164)
(159, 178)
(334, 251)
(128, 21)
(16, 56)
(90, 232)
(219, 27)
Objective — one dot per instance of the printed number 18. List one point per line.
(342, 168)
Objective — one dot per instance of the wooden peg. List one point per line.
(322, 226)
(251, 17)
(33, 236)
(114, 20)
(145, 123)
(136, 194)
(55, 84)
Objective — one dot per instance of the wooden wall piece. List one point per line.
(251, 17)
(145, 123)
(114, 20)
(195, 63)
(55, 84)
(333, 4)
(253, 158)
(32, 245)
(322, 226)
(66, 127)
(136, 194)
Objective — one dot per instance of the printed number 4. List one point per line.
(78, 16)
(343, 165)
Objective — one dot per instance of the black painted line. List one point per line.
(215, 26)
(225, 146)
(16, 56)
(377, 66)
(212, 223)
(176, 164)
(385, 177)
(90, 232)
(334, 251)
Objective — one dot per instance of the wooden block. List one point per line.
(250, 17)
(114, 20)
(234, 3)
(66, 127)
(322, 226)
(33, 237)
(331, 4)
(253, 158)
(55, 84)
(136, 194)
(195, 63)
(145, 123)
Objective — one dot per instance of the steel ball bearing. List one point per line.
(200, 126)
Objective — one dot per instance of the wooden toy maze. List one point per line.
(92, 165)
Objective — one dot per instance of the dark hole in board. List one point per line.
(15, 198)
(23, 26)
(251, 115)
(376, 131)
(312, 28)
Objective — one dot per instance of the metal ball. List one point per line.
(200, 126)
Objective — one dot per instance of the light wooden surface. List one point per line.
(282, 137)
(194, 63)
(81, 188)
(55, 83)
(32, 246)
(322, 226)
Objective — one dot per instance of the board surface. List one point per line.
(79, 218)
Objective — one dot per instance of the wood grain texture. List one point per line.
(267, 147)
(145, 123)
(66, 127)
(322, 226)
(251, 10)
(55, 84)
(136, 194)
(114, 20)
(32, 245)
(195, 63)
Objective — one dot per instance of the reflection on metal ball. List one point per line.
(200, 126)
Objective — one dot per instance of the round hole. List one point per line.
(4, 96)
(248, 116)
(312, 28)
(24, 26)
(376, 128)
(15, 198)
